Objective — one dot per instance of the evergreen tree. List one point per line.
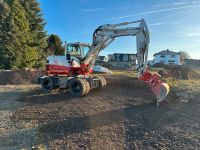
(22, 35)
(36, 24)
(55, 45)
(26, 54)
(17, 50)
(183, 55)
(5, 36)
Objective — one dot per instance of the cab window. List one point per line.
(85, 50)
(74, 50)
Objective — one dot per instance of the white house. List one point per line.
(166, 57)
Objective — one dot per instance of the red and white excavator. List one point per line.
(73, 70)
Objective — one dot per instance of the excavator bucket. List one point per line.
(158, 86)
(161, 91)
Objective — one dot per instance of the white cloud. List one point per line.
(181, 13)
(176, 3)
(164, 23)
(180, 3)
(172, 4)
(195, 2)
(193, 34)
(153, 12)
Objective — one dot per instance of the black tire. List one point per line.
(48, 84)
(78, 87)
(102, 81)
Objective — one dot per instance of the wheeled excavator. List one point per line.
(73, 70)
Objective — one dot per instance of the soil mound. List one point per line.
(22, 76)
(179, 72)
(159, 65)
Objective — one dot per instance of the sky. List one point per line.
(173, 24)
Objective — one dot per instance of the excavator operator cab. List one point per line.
(78, 50)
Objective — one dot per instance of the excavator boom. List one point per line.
(106, 34)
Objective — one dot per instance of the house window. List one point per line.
(172, 56)
(121, 57)
(125, 58)
(162, 56)
(132, 57)
(117, 57)
(171, 62)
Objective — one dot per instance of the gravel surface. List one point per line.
(120, 116)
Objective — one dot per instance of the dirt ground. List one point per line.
(20, 76)
(120, 116)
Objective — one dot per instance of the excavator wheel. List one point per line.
(48, 84)
(105, 82)
(102, 81)
(87, 87)
(78, 87)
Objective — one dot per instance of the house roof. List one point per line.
(166, 52)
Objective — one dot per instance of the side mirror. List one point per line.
(68, 57)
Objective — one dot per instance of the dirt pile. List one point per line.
(179, 72)
(22, 76)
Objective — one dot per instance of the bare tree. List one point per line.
(184, 55)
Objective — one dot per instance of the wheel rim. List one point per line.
(76, 88)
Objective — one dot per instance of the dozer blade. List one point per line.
(161, 91)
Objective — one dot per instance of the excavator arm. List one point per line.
(106, 34)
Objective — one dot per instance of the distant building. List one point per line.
(122, 60)
(192, 62)
(101, 61)
(102, 58)
(166, 57)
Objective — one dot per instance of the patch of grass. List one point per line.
(178, 84)
(132, 73)
(198, 71)
(155, 69)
